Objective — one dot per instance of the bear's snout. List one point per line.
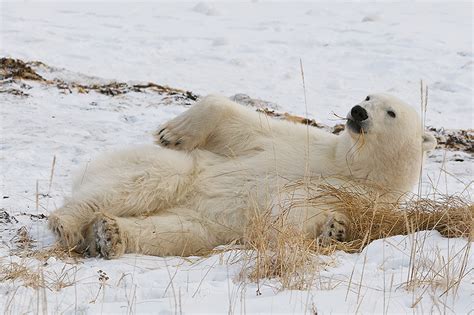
(358, 113)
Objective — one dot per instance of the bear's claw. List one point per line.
(179, 134)
(167, 138)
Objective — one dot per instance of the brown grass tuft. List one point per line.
(17, 69)
(371, 218)
(282, 252)
(56, 251)
(29, 274)
(20, 272)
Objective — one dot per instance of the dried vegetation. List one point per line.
(283, 253)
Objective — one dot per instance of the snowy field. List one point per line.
(255, 48)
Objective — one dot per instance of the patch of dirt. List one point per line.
(15, 92)
(119, 88)
(35, 217)
(454, 139)
(17, 69)
(246, 100)
(6, 218)
(290, 117)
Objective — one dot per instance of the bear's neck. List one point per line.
(397, 171)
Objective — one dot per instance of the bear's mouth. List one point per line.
(354, 126)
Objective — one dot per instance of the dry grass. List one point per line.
(371, 218)
(27, 274)
(55, 251)
(20, 272)
(28, 270)
(24, 247)
(282, 252)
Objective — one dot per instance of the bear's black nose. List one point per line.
(358, 113)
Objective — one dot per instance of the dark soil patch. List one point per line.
(17, 69)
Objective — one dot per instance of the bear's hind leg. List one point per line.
(69, 224)
(335, 228)
(107, 237)
(165, 234)
(128, 183)
(138, 182)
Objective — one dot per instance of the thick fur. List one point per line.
(219, 165)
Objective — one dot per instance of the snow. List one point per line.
(347, 51)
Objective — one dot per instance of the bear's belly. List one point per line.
(228, 191)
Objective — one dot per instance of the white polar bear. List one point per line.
(222, 163)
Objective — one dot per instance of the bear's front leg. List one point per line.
(218, 125)
(190, 129)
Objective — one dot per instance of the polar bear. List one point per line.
(221, 163)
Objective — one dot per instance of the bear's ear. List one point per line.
(429, 142)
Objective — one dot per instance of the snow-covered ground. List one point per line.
(347, 50)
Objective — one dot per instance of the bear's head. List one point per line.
(387, 141)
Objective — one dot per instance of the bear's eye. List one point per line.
(367, 98)
(392, 114)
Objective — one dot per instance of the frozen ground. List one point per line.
(253, 48)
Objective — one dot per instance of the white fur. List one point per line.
(224, 162)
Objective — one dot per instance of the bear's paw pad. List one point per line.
(335, 229)
(109, 241)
